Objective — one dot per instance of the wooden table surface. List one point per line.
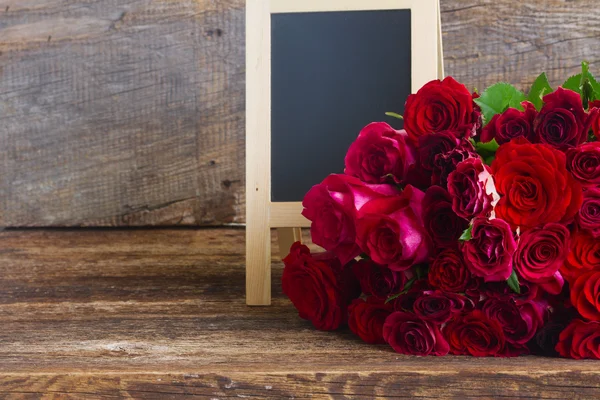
(161, 314)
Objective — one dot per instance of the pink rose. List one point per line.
(390, 230)
(332, 207)
(379, 151)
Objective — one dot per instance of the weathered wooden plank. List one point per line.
(161, 313)
(128, 113)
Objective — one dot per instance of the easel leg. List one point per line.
(287, 237)
(258, 261)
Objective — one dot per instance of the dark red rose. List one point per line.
(562, 122)
(589, 214)
(366, 319)
(315, 287)
(584, 256)
(520, 322)
(584, 163)
(438, 106)
(332, 207)
(547, 338)
(441, 222)
(445, 163)
(378, 280)
(534, 185)
(432, 144)
(475, 334)
(449, 273)
(594, 111)
(406, 301)
(472, 189)
(390, 230)
(409, 334)
(379, 151)
(490, 252)
(540, 254)
(439, 307)
(581, 340)
(511, 124)
(585, 295)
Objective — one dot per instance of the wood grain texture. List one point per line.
(161, 314)
(131, 112)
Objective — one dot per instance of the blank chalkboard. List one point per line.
(332, 73)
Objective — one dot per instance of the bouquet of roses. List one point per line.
(473, 231)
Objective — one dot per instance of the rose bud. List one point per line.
(449, 273)
(315, 286)
(584, 256)
(472, 189)
(439, 307)
(441, 222)
(584, 163)
(377, 280)
(580, 340)
(534, 185)
(380, 151)
(585, 295)
(589, 214)
(490, 252)
(390, 230)
(332, 206)
(439, 106)
(511, 124)
(366, 319)
(475, 334)
(409, 334)
(519, 322)
(540, 254)
(562, 122)
(445, 163)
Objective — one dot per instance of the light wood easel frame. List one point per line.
(261, 213)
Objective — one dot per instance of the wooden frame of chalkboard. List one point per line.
(262, 213)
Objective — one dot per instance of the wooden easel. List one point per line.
(261, 213)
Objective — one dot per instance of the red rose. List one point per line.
(439, 307)
(589, 214)
(445, 163)
(406, 301)
(562, 122)
(584, 256)
(377, 280)
(475, 334)
(432, 144)
(409, 334)
(519, 322)
(540, 254)
(332, 206)
(595, 105)
(580, 340)
(366, 319)
(490, 251)
(584, 163)
(585, 295)
(438, 106)
(379, 151)
(442, 223)
(511, 124)
(448, 272)
(472, 189)
(534, 185)
(315, 287)
(390, 230)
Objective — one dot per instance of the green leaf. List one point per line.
(585, 84)
(394, 115)
(487, 151)
(497, 98)
(467, 234)
(540, 88)
(573, 83)
(513, 282)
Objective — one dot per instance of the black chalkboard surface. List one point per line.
(332, 73)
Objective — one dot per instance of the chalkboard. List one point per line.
(332, 73)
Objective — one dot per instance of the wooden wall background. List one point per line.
(131, 112)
